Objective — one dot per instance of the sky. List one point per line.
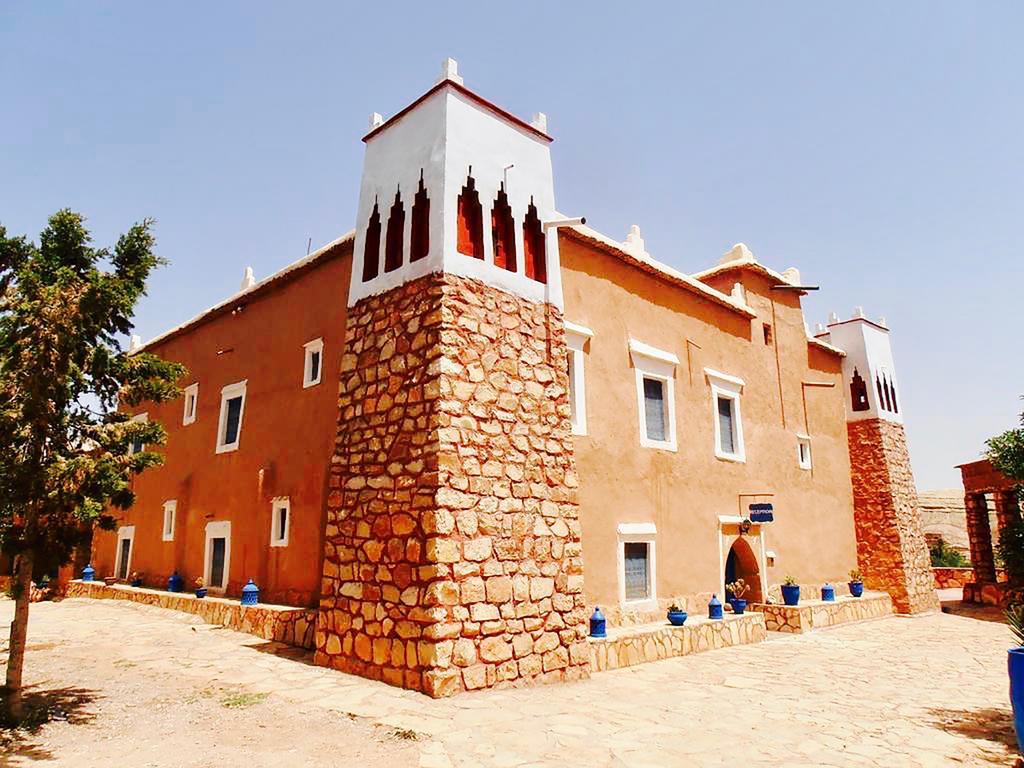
(876, 146)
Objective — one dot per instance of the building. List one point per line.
(512, 418)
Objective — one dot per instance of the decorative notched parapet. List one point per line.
(452, 556)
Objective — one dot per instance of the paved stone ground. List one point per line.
(927, 691)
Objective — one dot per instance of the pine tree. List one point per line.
(66, 455)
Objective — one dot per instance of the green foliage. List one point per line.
(65, 449)
(1010, 550)
(1006, 452)
(944, 556)
(855, 575)
(789, 581)
(1015, 618)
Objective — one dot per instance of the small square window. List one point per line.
(191, 403)
(803, 452)
(232, 410)
(313, 365)
(767, 330)
(138, 446)
(280, 520)
(170, 513)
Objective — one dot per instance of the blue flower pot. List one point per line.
(88, 573)
(201, 592)
(828, 593)
(136, 582)
(856, 588)
(677, 618)
(175, 582)
(739, 606)
(250, 593)
(791, 594)
(1015, 665)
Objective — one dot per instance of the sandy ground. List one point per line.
(136, 686)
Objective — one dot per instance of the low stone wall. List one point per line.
(952, 578)
(283, 624)
(815, 614)
(989, 593)
(628, 646)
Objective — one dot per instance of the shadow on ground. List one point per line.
(283, 651)
(42, 707)
(973, 611)
(989, 724)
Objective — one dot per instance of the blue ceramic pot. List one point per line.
(715, 608)
(201, 592)
(88, 573)
(598, 627)
(828, 593)
(136, 582)
(1015, 665)
(856, 588)
(175, 582)
(677, 618)
(791, 594)
(739, 606)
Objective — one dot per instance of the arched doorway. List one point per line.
(742, 564)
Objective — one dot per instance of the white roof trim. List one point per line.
(235, 297)
(826, 345)
(736, 381)
(579, 330)
(803, 436)
(637, 529)
(646, 350)
(674, 274)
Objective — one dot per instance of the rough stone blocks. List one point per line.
(452, 550)
(891, 548)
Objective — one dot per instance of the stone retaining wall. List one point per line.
(628, 646)
(816, 614)
(282, 624)
(951, 578)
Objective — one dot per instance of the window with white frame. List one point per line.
(137, 445)
(232, 409)
(636, 559)
(725, 400)
(170, 513)
(655, 389)
(280, 520)
(576, 338)
(314, 362)
(191, 403)
(803, 451)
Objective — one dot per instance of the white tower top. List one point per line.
(869, 374)
(453, 183)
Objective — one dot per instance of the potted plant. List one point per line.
(856, 583)
(790, 591)
(737, 589)
(1015, 666)
(136, 579)
(200, 587)
(676, 615)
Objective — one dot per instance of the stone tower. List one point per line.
(891, 549)
(452, 548)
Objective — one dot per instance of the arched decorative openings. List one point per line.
(858, 392)
(396, 235)
(895, 405)
(534, 247)
(742, 564)
(503, 232)
(420, 244)
(371, 248)
(471, 220)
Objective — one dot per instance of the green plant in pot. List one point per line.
(856, 584)
(735, 590)
(200, 587)
(790, 591)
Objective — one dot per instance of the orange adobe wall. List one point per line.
(683, 493)
(287, 437)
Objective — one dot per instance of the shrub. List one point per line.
(944, 556)
(1010, 550)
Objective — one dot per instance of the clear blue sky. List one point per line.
(876, 146)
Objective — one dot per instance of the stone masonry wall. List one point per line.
(891, 549)
(453, 557)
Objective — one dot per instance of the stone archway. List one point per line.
(742, 564)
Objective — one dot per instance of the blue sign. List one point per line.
(761, 513)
